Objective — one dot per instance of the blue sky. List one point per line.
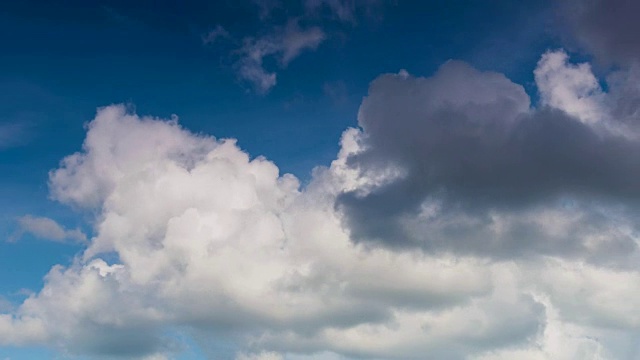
(324, 62)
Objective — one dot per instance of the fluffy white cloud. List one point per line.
(181, 211)
(194, 236)
(570, 88)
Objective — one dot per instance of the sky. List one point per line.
(320, 180)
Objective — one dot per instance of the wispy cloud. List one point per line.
(279, 42)
(266, 7)
(47, 229)
(214, 35)
(284, 44)
(343, 10)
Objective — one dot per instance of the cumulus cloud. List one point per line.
(180, 211)
(461, 162)
(47, 229)
(457, 222)
(571, 88)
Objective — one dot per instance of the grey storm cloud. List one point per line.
(609, 28)
(463, 147)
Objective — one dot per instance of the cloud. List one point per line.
(266, 7)
(457, 223)
(345, 11)
(285, 32)
(47, 229)
(296, 40)
(5, 305)
(182, 210)
(214, 35)
(460, 162)
(260, 356)
(284, 44)
(571, 88)
(608, 28)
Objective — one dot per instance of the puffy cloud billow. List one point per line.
(460, 162)
(457, 222)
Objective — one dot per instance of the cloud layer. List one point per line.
(458, 222)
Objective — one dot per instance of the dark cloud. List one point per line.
(608, 28)
(455, 154)
(624, 94)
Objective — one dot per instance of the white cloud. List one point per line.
(47, 229)
(217, 244)
(571, 88)
(260, 356)
(273, 259)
